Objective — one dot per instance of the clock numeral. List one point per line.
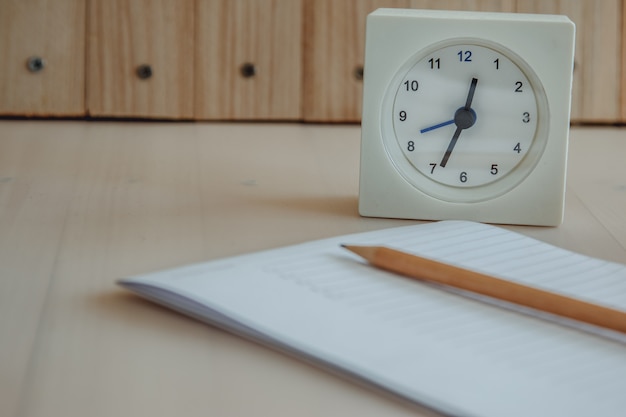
(494, 169)
(410, 146)
(465, 56)
(518, 87)
(402, 116)
(526, 117)
(518, 148)
(411, 85)
(497, 62)
(434, 63)
(463, 176)
(432, 167)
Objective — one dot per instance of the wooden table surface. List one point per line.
(85, 203)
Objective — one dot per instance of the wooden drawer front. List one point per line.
(42, 57)
(333, 57)
(249, 59)
(140, 58)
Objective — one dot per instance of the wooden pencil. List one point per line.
(416, 267)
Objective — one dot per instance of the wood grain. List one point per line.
(333, 56)
(53, 30)
(623, 67)
(38, 168)
(123, 35)
(266, 34)
(307, 53)
(85, 203)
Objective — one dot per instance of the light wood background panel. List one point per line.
(623, 67)
(596, 91)
(333, 55)
(335, 38)
(600, 61)
(125, 34)
(264, 34)
(53, 30)
(307, 57)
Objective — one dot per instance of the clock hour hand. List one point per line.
(464, 118)
(470, 94)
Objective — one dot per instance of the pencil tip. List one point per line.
(343, 245)
(366, 252)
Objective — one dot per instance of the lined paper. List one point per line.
(443, 350)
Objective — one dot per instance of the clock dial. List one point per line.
(465, 115)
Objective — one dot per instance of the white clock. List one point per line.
(466, 116)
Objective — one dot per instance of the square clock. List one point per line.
(466, 116)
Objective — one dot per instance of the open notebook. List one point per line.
(451, 353)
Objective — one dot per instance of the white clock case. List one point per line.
(544, 42)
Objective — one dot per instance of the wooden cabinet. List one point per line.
(334, 53)
(42, 57)
(623, 67)
(248, 60)
(140, 58)
(204, 59)
(294, 60)
(333, 57)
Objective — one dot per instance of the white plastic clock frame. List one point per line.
(543, 47)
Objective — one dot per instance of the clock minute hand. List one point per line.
(464, 118)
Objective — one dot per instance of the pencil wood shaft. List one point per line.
(429, 270)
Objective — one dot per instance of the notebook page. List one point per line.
(436, 348)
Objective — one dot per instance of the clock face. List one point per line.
(465, 115)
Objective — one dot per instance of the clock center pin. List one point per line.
(464, 118)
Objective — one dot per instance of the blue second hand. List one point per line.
(437, 126)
